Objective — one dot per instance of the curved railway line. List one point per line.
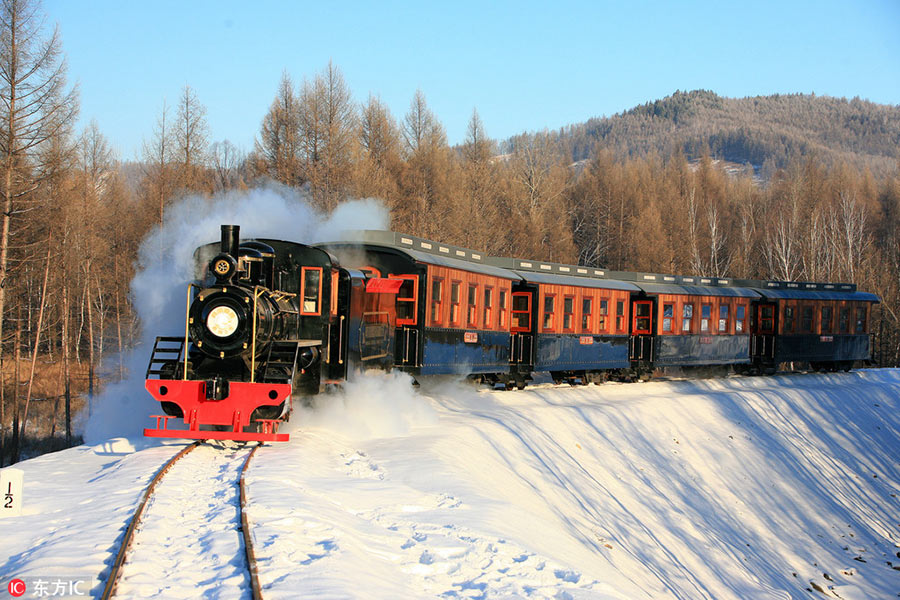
(134, 526)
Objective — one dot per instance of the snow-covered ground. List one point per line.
(778, 487)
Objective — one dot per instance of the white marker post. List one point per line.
(11, 483)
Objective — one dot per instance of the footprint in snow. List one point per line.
(358, 465)
(567, 576)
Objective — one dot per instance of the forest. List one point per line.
(621, 193)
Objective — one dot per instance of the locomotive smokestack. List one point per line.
(231, 239)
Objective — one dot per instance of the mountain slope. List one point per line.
(749, 130)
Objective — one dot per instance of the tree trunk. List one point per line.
(37, 341)
(59, 384)
(101, 327)
(67, 373)
(8, 201)
(118, 314)
(90, 326)
(16, 442)
(2, 415)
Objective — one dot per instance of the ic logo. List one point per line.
(16, 588)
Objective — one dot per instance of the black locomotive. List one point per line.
(270, 320)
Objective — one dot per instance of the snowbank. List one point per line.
(726, 488)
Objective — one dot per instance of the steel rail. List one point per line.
(255, 588)
(116, 571)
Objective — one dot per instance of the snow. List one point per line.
(744, 487)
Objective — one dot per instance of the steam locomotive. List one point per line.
(268, 320)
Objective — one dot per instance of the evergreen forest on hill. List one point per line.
(645, 190)
(767, 132)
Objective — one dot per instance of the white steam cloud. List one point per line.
(373, 405)
(165, 266)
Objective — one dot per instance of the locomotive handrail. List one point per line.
(279, 295)
(340, 341)
(187, 318)
(257, 292)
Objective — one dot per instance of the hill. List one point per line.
(764, 131)
(762, 487)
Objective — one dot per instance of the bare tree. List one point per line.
(818, 247)
(379, 167)
(696, 262)
(591, 209)
(719, 257)
(782, 248)
(279, 142)
(158, 155)
(541, 180)
(35, 104)
(428, 170)
(327, 128)
(226, 162)
(476, 210)
(852, 239)
(418, 123)
(191, 133)
(378, 133)
(97, 168)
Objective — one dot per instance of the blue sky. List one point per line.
(524, 65)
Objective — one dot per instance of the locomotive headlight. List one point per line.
(222, 321)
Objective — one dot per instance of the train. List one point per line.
(269, 322)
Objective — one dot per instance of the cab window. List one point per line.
(311, 284)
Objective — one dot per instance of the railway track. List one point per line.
(224, 463)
